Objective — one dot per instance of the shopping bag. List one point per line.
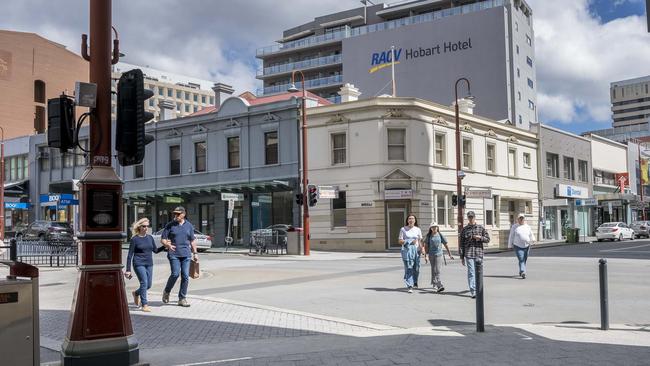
(195, 271)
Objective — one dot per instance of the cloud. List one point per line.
(578, 57)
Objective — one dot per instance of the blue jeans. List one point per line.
(145, 275)
(411, 274)
(179, 266)
(471, 273)
(522, 256)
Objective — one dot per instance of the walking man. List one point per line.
(521, 238)
(178, 238)
(470, 249)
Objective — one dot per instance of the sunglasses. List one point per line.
(144, 225)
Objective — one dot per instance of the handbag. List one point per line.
(195, 271)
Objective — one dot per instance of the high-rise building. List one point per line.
(433, 43)
(188, 94)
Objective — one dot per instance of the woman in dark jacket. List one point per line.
(140, 252)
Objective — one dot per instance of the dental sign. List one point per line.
(564, 190)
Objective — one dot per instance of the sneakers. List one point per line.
(165, 297)
(136, 298)
(523, 275)
(441, 289)
(410, 290)
(183, 303)
(415, 285)
(472, 295)
(146, 308)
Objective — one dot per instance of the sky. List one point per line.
(581, 46)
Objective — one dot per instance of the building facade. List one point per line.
(187, 94)
(383, 158)
(435, 43)
(33, 70)
(566, 183)
(631, 102)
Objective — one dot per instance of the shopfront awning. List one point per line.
(18, 188)
(263, 186)
(616, 197)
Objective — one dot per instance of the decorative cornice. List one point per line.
(440, 121)
(271, 117)
(338, 118)
(490, 133)
(199, 129)
(513, 139)
(467, 128)
(395, 113)
(233, 123)
(174, 132)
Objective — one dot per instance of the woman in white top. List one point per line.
(410, 237)
(521, 238)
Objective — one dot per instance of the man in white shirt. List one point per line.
(521, 238)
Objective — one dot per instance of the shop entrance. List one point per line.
(395, 218)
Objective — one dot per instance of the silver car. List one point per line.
(203, 242)
(641, 229)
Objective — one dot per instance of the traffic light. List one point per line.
(60, 123)
(313, 195)
(130, 138)
(462, 201)
(454, 200)
(300, 199)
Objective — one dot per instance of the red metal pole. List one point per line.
(305, 180)
(638, 145)
(2, 189)
(459, 183)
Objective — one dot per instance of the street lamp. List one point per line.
(305, 181)
(459, 173)
(2, 182)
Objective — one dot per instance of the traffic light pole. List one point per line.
(100, 330)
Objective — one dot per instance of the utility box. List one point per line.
(295, 245)
(19, 323)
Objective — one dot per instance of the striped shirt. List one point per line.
(470, 247)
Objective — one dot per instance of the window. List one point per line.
(187, 96)
(491, 158)
(151, 102)
(138, 171)
(338, 148)
(568, 169)
(552, 165)
(516, 26)
(203, 99)
(583, 172)
(170, 93)
(196, 97)
(187, 107)
(527, 160)
(528, 207)
(397, 144)
(161, 91)
(530, 83)
(179, 94)
(489, 204)
(443, 208)
(233, 152)
(518, 95)
(467, 154)
(529, 40)
(211, 100)
(512, 162)
(178, 106)
(40, 119)
(68, 160)
(271, 147)
(529, 61)
(520, 119)
(56, 161)
(44, 156)
(39, 91)
(339, 215)
(531, 105)
(25, 167)
(518, 72)
(81, 154)
(440, 149)
(200, 153)
(517, 48)
(174, 160)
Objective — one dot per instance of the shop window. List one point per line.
(174, 160)
(233, 152)
(200, 154)
(271, 147)
(339, 215)
(339, 148)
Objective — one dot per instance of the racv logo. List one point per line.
(380, 60)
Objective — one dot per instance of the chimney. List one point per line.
(167, 110)
(465, 105)
(349, 93)
(221, 88)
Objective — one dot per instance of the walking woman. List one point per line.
(410, 237)
(433, 243)
(141, 248)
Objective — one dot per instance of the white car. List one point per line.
(614, 231)
(203, 242)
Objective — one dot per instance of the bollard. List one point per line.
(604, 305)
(480, 319)
(13, 250)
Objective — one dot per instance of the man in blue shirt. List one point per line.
(178, 238)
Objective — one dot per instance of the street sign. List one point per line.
(587, 202)
(329, 192)
(232, 196)
(478, 193)
(231, 205)
(171, 199)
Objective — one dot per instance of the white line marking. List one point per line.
(619, 249)
(217, 361)
(523, 336)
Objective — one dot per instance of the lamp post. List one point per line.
(459, 172)
(2, 182)
(305, 181)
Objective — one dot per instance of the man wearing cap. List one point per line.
(472, 239)
(521, 237)
(178, 238)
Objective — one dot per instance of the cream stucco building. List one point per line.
(387, 157)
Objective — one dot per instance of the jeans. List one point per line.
(179, 266)
(471, 273)
(411, 274)
(522, 256)
(436, 266)
(145, 275)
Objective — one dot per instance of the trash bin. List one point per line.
(19, 323)
(294, 242)
(573, 235)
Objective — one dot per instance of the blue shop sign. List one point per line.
(17, 205)
(68, 202)
(45, 198)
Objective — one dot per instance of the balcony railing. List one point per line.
(304, 64)
(310, 84)
(335, 99)
(397, 23)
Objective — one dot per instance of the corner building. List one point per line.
(436, 42)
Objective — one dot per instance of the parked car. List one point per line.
(641, 229)
(203, 242)
(46, 231)
(614, 231)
